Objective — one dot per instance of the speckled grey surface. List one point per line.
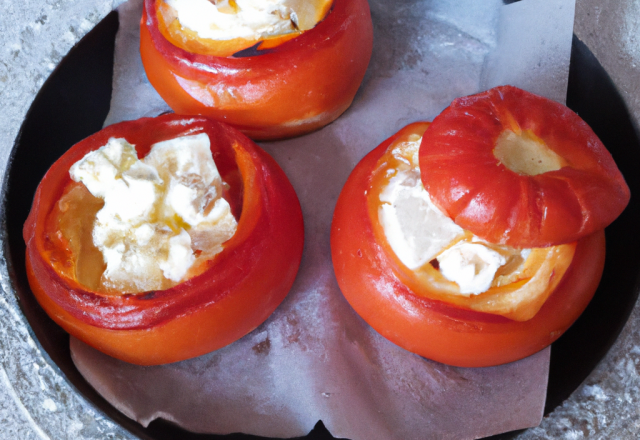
(36, 402)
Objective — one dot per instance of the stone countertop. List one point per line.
(36, 402)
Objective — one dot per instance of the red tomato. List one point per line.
(480, 193)
(239, 289)
(371, 280)
(291, 89)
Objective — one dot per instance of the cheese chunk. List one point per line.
(229, 19)
(158, 211)
(470, 265)
(415, 228)
(418, 232)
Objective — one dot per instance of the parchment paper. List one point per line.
(315, 358)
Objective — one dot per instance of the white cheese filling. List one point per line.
(160, 214)
(418, 232)
(415, 228)
(470, 265)
(229, 19)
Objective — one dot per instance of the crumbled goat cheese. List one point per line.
(157, 212)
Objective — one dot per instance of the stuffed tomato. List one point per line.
(192, 242)
(454, 293)
(270, 84)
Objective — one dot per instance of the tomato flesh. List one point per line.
(70, 227)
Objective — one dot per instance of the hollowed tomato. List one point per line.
(240, 287)
(284, 88)
(415, 314)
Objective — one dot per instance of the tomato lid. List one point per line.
(518, 169)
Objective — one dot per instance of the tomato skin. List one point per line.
(241, 287)
(468, 182)
(438, 331)
(287, 90)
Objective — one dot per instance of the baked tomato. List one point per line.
(284, 87)
(524, 310)
(233, 293)
(520, 169)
